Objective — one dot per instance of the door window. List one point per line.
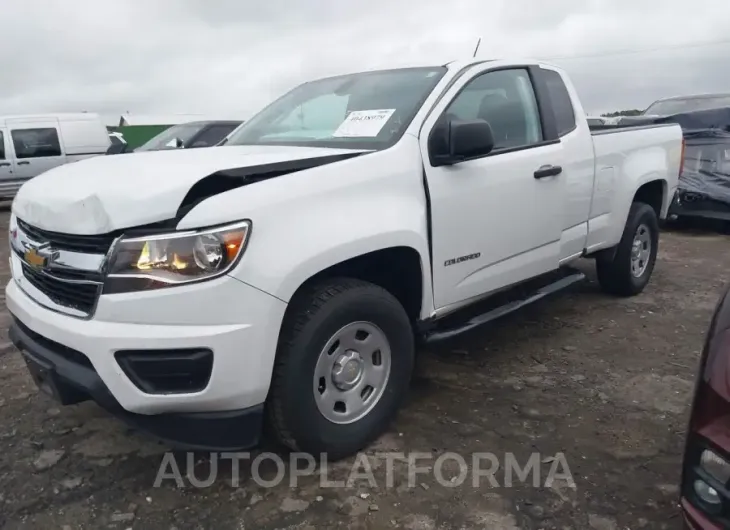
(505, 99)
(2, 146)
(36, 143)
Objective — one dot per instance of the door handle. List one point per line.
(548, 171)
(24, 163)
(4, 164)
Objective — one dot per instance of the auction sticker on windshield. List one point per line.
(363, 123)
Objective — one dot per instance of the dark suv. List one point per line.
(189, 135)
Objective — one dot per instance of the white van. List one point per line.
(30, 145)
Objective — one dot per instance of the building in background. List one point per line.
(137, 129)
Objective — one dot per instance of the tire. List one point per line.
(614, 267)
(313, 321)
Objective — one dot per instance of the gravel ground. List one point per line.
(597, 387)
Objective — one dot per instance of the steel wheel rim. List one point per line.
(640, 251)
(352, 372)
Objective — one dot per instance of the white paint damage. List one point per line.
(108, 193)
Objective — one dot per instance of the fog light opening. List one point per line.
(716, 466)
(707, 493)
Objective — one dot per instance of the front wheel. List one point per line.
(343, 366)
(626, 269)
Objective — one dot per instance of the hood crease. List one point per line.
(111, 193)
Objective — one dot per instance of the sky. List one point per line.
(229, 58)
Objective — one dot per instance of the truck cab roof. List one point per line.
(695, 96)
(681, 104)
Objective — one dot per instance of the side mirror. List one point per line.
(176, 143)
(454, 141)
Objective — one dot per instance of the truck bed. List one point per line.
(622, 127)
(629, 154)
(619, 150)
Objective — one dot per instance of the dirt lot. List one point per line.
(605, 381)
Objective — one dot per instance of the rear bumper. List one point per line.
(693, 205)
(63, 373)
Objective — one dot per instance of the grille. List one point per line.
(88, 244)
(79, 296)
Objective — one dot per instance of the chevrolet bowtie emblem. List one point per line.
(34, 259)
(39, 257)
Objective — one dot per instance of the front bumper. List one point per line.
(70, 380)
(694, 519)
(237, 322)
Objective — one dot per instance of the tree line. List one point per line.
(630, 112)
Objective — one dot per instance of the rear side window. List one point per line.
(36, 143)
(2, 146)
(561, 102)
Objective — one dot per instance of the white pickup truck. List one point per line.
(284, 279)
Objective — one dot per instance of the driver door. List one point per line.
(496, 220)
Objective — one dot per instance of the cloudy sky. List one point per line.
(230, 57)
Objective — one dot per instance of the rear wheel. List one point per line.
(343, 366)
(626, 269)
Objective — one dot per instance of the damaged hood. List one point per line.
(107, 193)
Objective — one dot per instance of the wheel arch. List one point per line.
(399, 269)
(654, 192)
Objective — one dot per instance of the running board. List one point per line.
(521, 295)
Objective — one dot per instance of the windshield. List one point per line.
(669, 107)
(368, 110)
(167, 139)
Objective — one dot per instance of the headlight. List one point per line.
(142, 263)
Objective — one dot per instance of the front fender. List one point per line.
(285, 277)
(308, 221)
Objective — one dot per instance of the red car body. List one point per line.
(709, 432)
